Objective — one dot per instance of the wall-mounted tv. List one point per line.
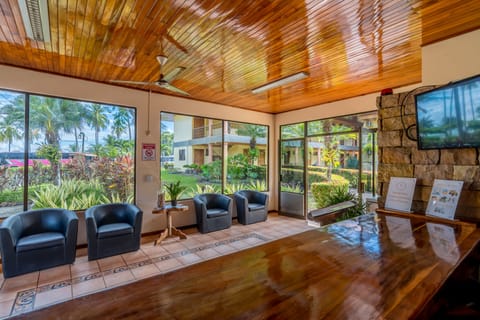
(449, 116)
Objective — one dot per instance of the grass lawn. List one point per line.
(190, 181)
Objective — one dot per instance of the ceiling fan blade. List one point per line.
(168, 86)
(131, 82)
(173, 74)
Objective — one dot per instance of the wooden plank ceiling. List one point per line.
(349, 48)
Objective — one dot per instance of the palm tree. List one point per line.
(46, 115)
(73, 113)
(166, 144)
(15, 110)
(97, 119)
(253, 131)
(12, 121)
(9, 132)
(122, 120)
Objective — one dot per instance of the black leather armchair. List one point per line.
(113, 229)
(38, 239)
(213, 211)
(252, 206)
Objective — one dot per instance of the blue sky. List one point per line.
(67, 139)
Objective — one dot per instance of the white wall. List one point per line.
(451, 60)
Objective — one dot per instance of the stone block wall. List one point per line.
(399, 157)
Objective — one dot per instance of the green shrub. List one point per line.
(212, 171)
(199, 189)
(289, 188)
(16, 195)
(259, 185)
(231, 188)
(168, 165)
(321, 191)
(71, 194)
(11, 196)
(115, 175)
(329, 194)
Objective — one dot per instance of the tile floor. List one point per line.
(36, 290)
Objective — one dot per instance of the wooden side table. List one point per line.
(170, 231)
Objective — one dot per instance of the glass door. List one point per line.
(292, 168)
(369, 163)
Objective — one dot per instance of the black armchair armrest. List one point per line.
(241, 201)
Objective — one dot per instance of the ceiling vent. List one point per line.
(35, 19)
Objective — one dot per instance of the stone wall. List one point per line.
(399, 157)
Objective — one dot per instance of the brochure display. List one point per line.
(444, 198)
(400, 194)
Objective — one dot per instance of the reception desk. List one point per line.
(377, 266)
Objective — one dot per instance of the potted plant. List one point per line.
(174, 190)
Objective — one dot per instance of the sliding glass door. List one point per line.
(292, 168)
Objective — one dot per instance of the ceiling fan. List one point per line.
(164, 80)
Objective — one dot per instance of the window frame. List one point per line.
(27, 95)
(224, 164)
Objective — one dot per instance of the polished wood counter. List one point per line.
(377, 266)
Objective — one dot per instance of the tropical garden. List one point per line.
(64, 153)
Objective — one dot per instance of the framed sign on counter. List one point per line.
(444, 198)
(400, 194)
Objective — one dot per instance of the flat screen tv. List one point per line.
(449, 116)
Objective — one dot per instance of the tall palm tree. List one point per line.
(15, 110)
(46, 115)
(9, 132)
(97, 119)
(253, 131)
(73, 113)
(122, 120)
(12, 117)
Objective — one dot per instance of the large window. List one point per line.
(246, 163)
(327, 161)
(211, 155)
(63, 153)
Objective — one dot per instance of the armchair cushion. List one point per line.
(255, 206)
(114, 229)
(216, 213)
(40, 240)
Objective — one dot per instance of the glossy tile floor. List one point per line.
(36, 290)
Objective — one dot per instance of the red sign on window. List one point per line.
(148, 152)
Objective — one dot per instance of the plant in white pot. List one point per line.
(174, 190)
